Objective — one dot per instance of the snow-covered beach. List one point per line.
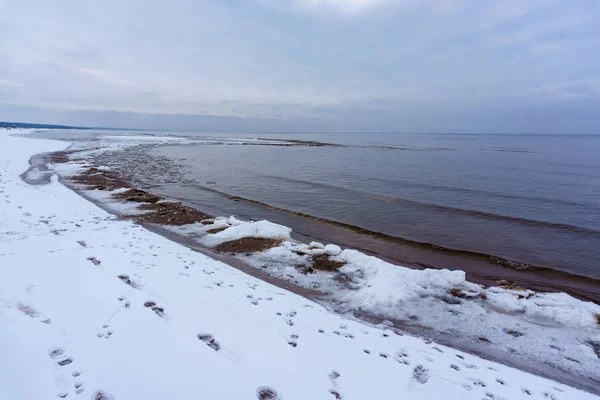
(95, 306)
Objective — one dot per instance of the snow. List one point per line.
(69, 323)
(105, 198)
(332, 249)
(376, 285)
(238, 230)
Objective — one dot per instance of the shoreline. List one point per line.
(481, 268)
(107, 296)
(520, 362)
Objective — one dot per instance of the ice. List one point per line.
(91, 304)
(379, 284)
(259, 229)
(332, 249)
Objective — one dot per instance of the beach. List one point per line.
(96, 303)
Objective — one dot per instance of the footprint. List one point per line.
(56, 352)
(94, 260)
(65, 361)
(292, 340)
(210, 341)
(152, 305)
(478, 382)
(61, 381)
(105, 333)
(267, 393)
(128, 281)
(421, 374)
(336, 394)
(78, 386)
(101, 395)
(126, 303)
(33, 313)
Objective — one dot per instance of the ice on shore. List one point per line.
(541, 328)
(238, 230)
(332, 250)
(90, 304)
(383, 288)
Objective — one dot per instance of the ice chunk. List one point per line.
(260, 229)
(332, 249)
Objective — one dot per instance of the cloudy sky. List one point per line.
(304, 65)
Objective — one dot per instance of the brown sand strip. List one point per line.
(101, 180)
(138, 196)
(248, 245)
(168, 213)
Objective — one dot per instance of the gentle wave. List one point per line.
(467, 212)
(517, 265)
(486, 193)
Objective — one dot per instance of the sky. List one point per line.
(511, 66)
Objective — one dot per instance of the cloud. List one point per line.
(362, 61)
(571, 90)
(344, 5)
(354, 7)
(103, 76)
(543, 29)
(11, 84)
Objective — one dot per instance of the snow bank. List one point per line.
(378, 285)
(373, 285)
(259, 229)
(552, 329)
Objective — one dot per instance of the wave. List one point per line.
(467, 212)
(451, 189)
(502, 261)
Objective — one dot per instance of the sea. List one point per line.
(520, 207)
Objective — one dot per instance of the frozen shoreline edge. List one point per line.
(577, 384)
(540, 370)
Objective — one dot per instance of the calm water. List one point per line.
(532, 199)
